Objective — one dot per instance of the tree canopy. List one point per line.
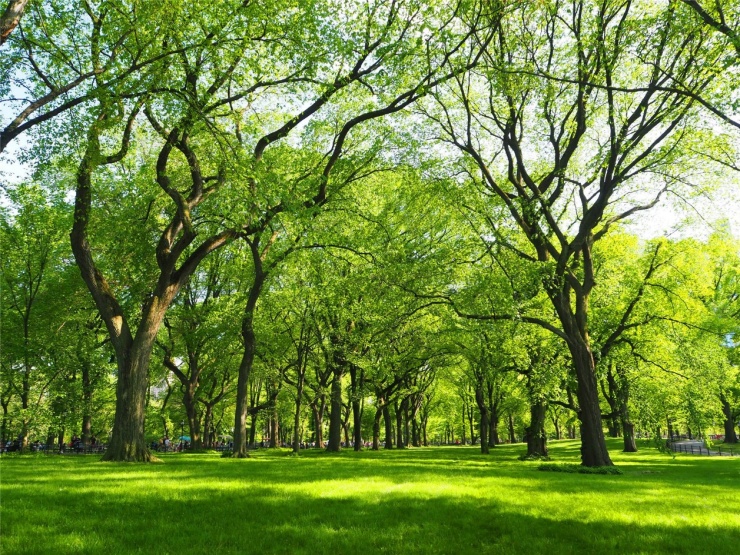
(294, 222)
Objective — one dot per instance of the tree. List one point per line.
(719, 17)
(393, 43)
(30, 266)
(69, 56)
(605, 129)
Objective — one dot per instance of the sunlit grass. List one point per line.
(436, 500)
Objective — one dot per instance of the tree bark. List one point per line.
(464, 420)
(356, 387)
(317, 409)
(388, 427)
(484, 419)
(297, 417)
(493, 438)
(630, 446)
(335, 412)
(376, 428)
(556, 424)
(536, 436)
(512, 433)
(625, 422)
(208, 433)
(249, 341)
(11, 18)
(191, 411)
(4, 428)
(87, 393)
(593, 444)
(127, 442)
(274, 428)
(398, 409)
(730, 436)
(405, 408)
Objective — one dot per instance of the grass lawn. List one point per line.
(449, 500)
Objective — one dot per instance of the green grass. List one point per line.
(435, 500)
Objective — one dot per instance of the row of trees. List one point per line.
(409, 183)
(348, 352)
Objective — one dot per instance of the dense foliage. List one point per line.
(387, 223)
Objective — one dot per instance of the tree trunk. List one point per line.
(250, 344)
(208, 432)
(253, 429)
(388, 427)
(574, 321)
(512, 433)
(297, 417)
(484, 419)
(87, 392)
(593, 444)
(345, 424)
(536, 436)
(335, 414)
(356, 400)
(556, 424)
(191, 411)
(471, 422)
(274, 428)
(730, 436)
(399, 425)
(357, 424)
(406, 432)
(376, 428)
(4, 427)
(245, 368)
(133, 352)
(464, 420)
(127, 443)
(493, 438)
(629, 436)
(317, 409)
(623, 396)
(60, 439)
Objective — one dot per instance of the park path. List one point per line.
(696, 447)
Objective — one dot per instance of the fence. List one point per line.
(699, 449)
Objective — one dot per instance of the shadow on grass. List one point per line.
(262, 522)
(442, 500)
